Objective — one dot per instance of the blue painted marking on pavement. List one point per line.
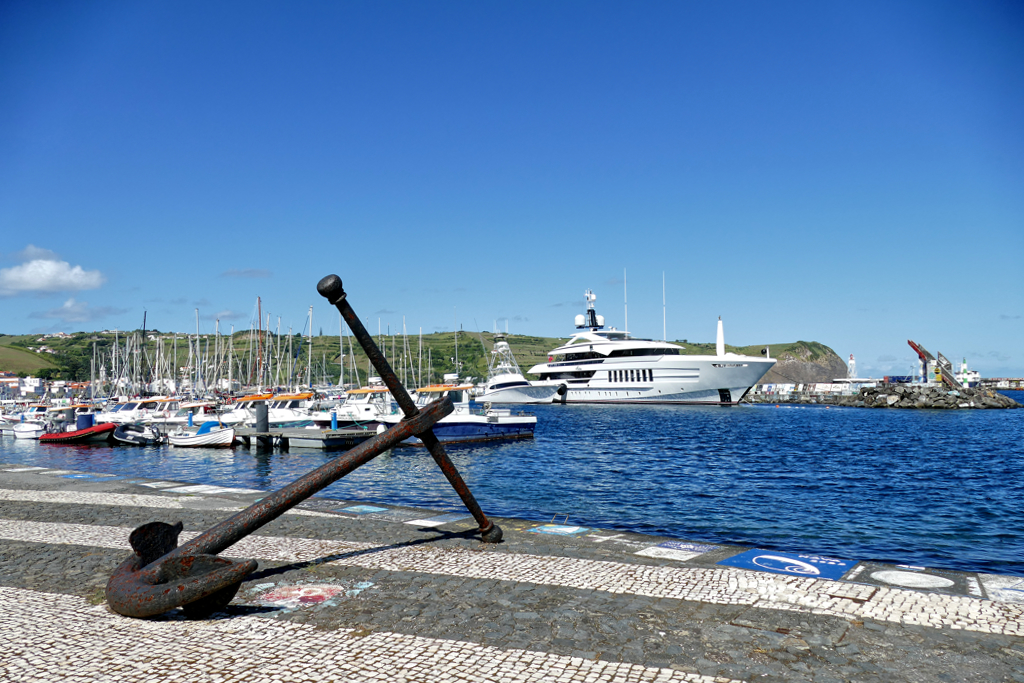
(450, 517)
(817, 566)
(689, 547)
(558, 529)
(84, 475)
(362, 509)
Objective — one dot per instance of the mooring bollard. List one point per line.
(160, 576)
(263, 440)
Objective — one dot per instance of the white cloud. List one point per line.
(34, 253)
(47, 275)
(78, 312)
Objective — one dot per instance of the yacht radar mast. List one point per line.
(591, 319)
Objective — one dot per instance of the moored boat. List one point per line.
(29, 430)
(137, 435)
(362, 408)
(466, 424)
(211, 434)
(506, 383)
(101, 433)
(599, 365)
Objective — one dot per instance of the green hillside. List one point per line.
(20, 360)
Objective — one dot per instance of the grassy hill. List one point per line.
(20, 360)
(75, 353)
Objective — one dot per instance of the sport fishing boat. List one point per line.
(599, 365)
(505, 382)
(466, 424)
(243, 409)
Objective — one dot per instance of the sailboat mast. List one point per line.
(199, 369)
(231, 354)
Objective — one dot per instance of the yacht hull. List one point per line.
(684, 380)
(532, 394)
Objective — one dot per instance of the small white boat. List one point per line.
(29, 430)
(210, 435)
(505, 381)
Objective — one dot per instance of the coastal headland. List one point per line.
(368, 592)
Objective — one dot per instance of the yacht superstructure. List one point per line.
(599, 365)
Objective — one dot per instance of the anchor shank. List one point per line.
(380, 363)
(455, 479)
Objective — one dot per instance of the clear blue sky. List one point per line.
(851, 173)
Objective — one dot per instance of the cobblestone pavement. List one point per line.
(357, 592)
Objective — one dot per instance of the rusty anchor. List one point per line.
(160, 575)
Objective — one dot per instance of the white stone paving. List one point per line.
(717, 585)
(49, 637)
(136, 500)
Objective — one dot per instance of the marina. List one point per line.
(800, 478)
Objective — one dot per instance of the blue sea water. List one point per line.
(943, 489)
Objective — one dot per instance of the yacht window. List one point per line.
(502, 385)
(129, 406)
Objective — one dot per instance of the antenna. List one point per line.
(664, 328)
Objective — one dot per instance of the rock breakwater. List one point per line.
(909, 396)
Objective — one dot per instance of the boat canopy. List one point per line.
(437, 388)
(255, 397)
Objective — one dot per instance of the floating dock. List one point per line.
(299, 437)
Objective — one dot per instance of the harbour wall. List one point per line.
(880, 395)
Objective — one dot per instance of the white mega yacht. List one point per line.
(608, 366)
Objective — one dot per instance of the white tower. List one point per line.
(852, 372)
